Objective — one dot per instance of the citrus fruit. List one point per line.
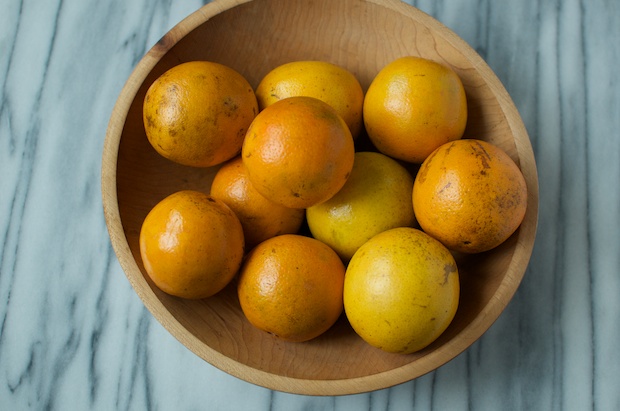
(191, 244)
(376, 197)
(412, 106)
(197, 113)
(291, 286)
(298, 152)
(328, 82)
(470, 195)
(261, 218)
(401, 290)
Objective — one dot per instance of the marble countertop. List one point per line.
(75, 336)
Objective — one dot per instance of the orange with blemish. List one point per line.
(197, 113)
(470, 195)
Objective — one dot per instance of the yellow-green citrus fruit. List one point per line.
(328, 82)
(375, 198)
(401, 290)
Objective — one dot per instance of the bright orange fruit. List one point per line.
(291, 286)
(191, 244)
(261, 218)
(298, 152)
(470, 195)
(413, 106)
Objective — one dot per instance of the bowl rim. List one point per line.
(454, 347)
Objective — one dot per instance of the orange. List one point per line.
(328, 82)
(298, 152)
(191, 245)
(376, 197)
(401, 290)
(470, 195)
(261, 218)
(413, 106)
(291, 286)
(197, 113)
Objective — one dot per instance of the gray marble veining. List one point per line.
(74, 335)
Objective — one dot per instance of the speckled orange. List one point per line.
(197, 113)
(470, 195)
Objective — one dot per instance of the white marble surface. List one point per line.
(75, 336)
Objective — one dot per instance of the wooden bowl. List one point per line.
(253, 37)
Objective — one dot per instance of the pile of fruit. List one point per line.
(327, 199)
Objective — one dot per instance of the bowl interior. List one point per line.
(254, 37)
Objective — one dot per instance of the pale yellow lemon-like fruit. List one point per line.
(375, 198)
(401, 290)
(413, 106)
(328, 82)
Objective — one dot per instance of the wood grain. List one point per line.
(254, 37)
